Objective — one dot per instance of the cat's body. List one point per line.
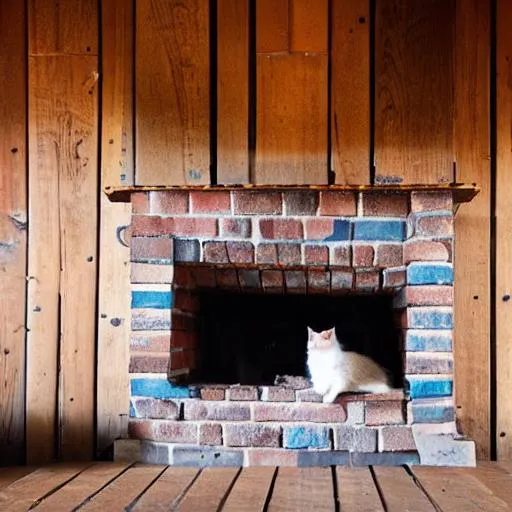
(334, 371)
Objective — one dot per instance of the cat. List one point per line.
(334, 371)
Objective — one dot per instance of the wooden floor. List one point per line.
(109, 487)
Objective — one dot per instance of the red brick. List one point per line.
(341, 255)
(215, 252)
(319, 281)
(236, 227)
(362, 255)
(367, 280)
(150, 342)
(295, 279)
(272, 279)
(168, 202)
(266, 253)
(149, 273)
(271, 457)
(161, 408)
(240, 252)
(227, 278)
(316, 254)
(180, 359)
(175, 432)
(249, 278)
(316, 413)
(396, 439)
(318, 228)
(204, 277)
(396, 395)
(289, 254)
(434, 225)
(138, 429)
(217, 411)
(429, 362)
(149, 363)
(214, 201)
(425, 250)
(388, 255)
(430, 295)
(184, 277)
(185, 300)
(384, 413)
(341, 280)
(210, 434)
(301, 202)
(251, 202)
(393, 277)
(185, 226)
(251, 434)
(151, 248)
(308, 395)
(183, 339)
(213, 393)
(281, 229)
(431, 201)
(337, 203)
(140, 202)
(385, 205)
(277, 394)
(242, 393)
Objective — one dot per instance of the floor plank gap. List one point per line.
(270, 490)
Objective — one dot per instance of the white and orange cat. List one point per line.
(334, 371)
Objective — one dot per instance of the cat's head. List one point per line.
(323, 339)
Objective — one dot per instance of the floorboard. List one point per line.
(10, 475)
(357, 491)
(250, 491)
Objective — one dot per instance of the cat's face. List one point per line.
(324, 339)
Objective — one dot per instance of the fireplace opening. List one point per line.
(252, 338)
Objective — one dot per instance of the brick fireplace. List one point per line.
(224, 283)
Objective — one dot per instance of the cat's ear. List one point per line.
(331, 333)
(311, 333)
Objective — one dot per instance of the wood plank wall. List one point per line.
(299, 91)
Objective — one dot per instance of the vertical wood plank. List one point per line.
(232, 91)
(272, 26)
(414, 91)
(114, 264)
(503, 231)
(472, 235)
(308, 25)
(291, 119)
(172, 92)
(350, 91)
(13, 234)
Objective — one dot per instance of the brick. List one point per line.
(154, 453)
(341, 280)
(183, 339)
(318, 228)
(150, 319)
(140, 202)
(187, 251)
(215, 201)
(182, 359)
(266, 254)
(434, 225)
(204, 277)
(337, 203)
(234, 227)
(281, 229)
(181, 226)
(362, 255)
(432, 410)
(388, 255)
(206, 456)
(150, 341)
(213, 393)
(240, 252)
(319, 280)
(271, 457)
(384, 205)
(151, 299)
(342, 231)
(425, 250)
(289, 254)
(384, 413)
(151, 250)
(384, 230)
(247, 202)
(163, 431)
(227, 278)
(303, 436)
(394, 277)
(185, 300)
(384, 459)
(295, 279)
(355, 439)
(148, 363)
(341, 255)
(430, 273)
(316, 255)
(168, 202)
(216, 411)
(249, 278)
(272, 279)
(428, 341)
(215, 252)
(139, 429)
(429, 386)
(428, 362)
(300, 202)
(355, 413)
(367, 280)
(292, 382)
(244, 393)
(431, 201)
(393, 394)
(184, 277)
(315, 413)
(210, 434)
(151, 273)
(277, 394)
(251, 434)
(430, 295)
(430, 317)
(396, 439)
(444, 450)
(322, 458)
(162, 409)
(307, 395)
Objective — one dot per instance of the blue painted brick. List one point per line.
(418, 341)
(158, 388)
(340, 232)
(425, 388)
(430, 413)
(379, 230)
(132, 411)
(306, 437)
(427, 273)
(152, 300)
(429, 318)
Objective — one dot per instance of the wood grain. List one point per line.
(472, 235)
(357, 491)
(495, 478)
(69, 27)
(13, 230)
(503, 232)
(117, 167)
(414, 91)
(250, 490)
(10, 474)
(232, 91)
(272, 19)
(291, 119)
(62, 254)
(350, 91)
(308, 25)
(172, 93)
